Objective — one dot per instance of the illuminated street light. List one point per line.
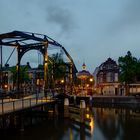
(91, 79)
(62, 81)
(6, 86)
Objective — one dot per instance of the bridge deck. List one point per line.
(12, 105)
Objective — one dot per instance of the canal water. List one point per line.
(105, 124)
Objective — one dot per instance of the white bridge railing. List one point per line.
(11, 105)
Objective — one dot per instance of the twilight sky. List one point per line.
(90, 30)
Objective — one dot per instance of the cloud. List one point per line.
(128, 18)
(62, 18)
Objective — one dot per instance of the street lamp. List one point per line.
(62, 81)
(91, 85)
(91, 79)
(63, 85)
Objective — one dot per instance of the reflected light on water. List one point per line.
(91, 124)
(71, 134)
(87, 116)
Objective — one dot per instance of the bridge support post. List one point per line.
(66, 108)
(82, 111)
(45, 66)
(18, 69)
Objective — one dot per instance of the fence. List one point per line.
(11, 105)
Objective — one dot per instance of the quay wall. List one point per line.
(103, 100)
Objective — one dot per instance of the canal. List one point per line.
(106, 124)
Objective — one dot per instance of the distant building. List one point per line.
(86, 86)
(35, 78)
(95, 78)
(106, 78)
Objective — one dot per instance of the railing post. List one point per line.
(37, 97)
(56, 109)
(2, 107)
(30, 102)
(82, 111)
(13, 105)
(22, 103)
(66, 107)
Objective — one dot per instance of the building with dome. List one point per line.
(86, 82)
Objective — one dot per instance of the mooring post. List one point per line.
(66, 107)
(74, 97)
(90, 100)
(82, 111)
(21, 123)
(56, 109)
(2, 106)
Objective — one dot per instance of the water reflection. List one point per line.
(118, 124)
(102, 124)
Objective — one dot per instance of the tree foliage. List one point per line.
(129, 69)
(59, 67)
(24, 77)
(56, 67)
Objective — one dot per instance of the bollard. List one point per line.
(66, 108)
(90, 100)
(82, 111)
(82, 104)
(112, 100)
(74, 97)
(56, 110)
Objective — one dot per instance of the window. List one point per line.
(116, 77)
(110, 77)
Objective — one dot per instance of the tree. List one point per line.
(24, 77)
(128, 69)
(56, 69)
(59, 66)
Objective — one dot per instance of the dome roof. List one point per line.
(83, 74)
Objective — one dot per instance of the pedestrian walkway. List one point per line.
(12, 105)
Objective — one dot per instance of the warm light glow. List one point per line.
(45, 64)
(87, 85)
(37, 82)
(6, 86)
(62, 81)
(91, 124)
(30, 75)
(16, 67)
(87, 108)
(46, 58)
(91, 79)
(87, 116)
(71, 134)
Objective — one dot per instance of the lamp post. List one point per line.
(63, 86)
(91, 84)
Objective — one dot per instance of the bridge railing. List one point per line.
(12, 105)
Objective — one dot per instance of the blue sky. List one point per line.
(90, 30)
